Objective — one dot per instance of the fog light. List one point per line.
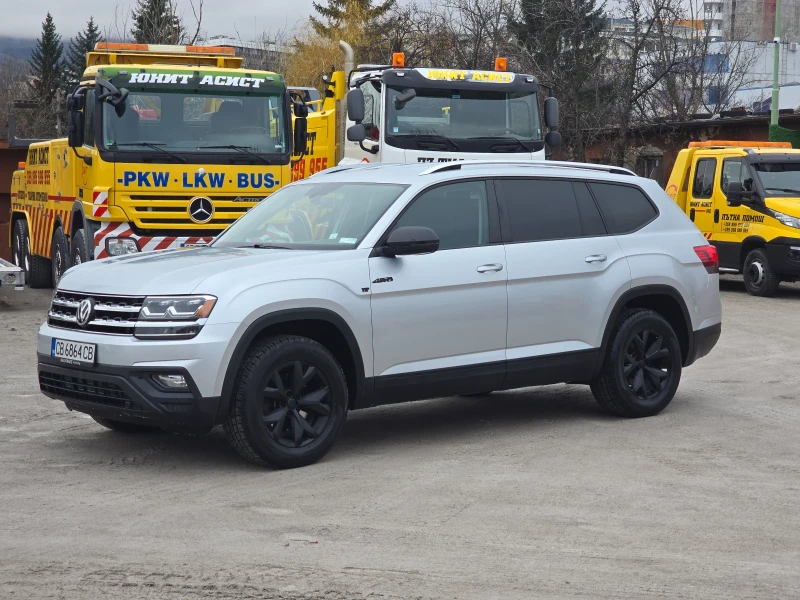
(794, 253)
(120, 246)
(172, 382)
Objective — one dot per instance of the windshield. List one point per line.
(181, 122)
(460, 114)
(313, 216)
(779, 179)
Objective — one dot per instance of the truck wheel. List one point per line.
(642, 367)
(125, 427)
(289, 405)
(78, 253)
(759, 278)
(41, 271)
(19, 247)
(59, 255)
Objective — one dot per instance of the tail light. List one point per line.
(709, 257)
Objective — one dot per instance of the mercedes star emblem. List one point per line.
(201, 210)
(85, 312)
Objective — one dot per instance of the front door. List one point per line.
(701, 193)
(439, 320)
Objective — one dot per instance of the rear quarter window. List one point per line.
(624, 208)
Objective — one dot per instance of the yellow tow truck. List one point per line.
(745, 199)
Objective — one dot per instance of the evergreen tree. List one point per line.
(156, 22)
(47, 75)
(79, 46)
(337, 12)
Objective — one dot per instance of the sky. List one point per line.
(220, 17)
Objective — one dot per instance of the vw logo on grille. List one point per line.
(85, 311)
(201, 210)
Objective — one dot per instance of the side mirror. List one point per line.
(551, 112)
(552, 139)
(404, 97)
(735, 193)
(300, 135)
(411, 240)
(355, 105)
(356, 133)
(75, 119)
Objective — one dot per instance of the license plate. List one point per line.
(75, 353)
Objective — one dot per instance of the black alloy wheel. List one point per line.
(647, 365)
(296, 404)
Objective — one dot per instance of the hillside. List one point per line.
(17, 47)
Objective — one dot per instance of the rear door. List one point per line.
(564, 270)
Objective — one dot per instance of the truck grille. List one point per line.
(171, 211)
(112, 314)
(86, 390)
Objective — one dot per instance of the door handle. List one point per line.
(595, 258)
(494, 267)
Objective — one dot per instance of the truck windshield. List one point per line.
(333, 216)
(175, 122)
(502, 119)
(779, 179)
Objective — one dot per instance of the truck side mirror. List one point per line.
(356, 133)
(735, 193)
(355, 105)
(404, 97)
(75, 119)
(300, 135)
(552, 139)
(551, 112)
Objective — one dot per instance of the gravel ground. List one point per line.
(524, 494)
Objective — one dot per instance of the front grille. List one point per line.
(84, 389)
(158, 213)
(112, 314)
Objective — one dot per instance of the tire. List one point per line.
(19, 246)
(265, 424)
(40, 275)
(759, 277)
(629, 386)
(78, 254)
(124, 427)
(59, 255)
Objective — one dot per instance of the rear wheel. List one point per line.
(290, 403)
(759, 278)
(642, 367)
(40, 274)
(19, 246)
(59, 255)
(78, 254)
(124, 427)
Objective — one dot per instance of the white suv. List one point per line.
(369, 285)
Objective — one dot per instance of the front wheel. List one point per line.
(289, 405)
(642, 367)
(78, 254)
(759, 277)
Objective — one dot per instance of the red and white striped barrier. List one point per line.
(146, 243)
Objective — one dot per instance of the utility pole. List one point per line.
(777, 41)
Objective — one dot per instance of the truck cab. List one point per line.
(745, 199)
(400, 114)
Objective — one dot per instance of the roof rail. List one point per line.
(456, 165)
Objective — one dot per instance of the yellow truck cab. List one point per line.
(745, 199)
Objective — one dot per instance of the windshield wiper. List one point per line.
(266, 247)
(508, 140)
(154, 146)
(785, 190)
(435, 136)
(243, 149)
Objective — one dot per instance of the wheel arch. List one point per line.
(76, 221)
(663, 299)
(749, 244)
(321, 325)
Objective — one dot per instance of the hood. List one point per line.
(178, 271)
(788, 206)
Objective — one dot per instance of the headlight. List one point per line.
(786, 219)
(121, 246)
(176, 308)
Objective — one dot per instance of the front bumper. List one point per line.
(784, 257)
(144, 243)
(128, 394)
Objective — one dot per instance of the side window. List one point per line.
(591, 221)
(540, 209)
(372, 109)
(624, 208)
(457, 212)
(733, 169)
(88, 119)
(704, 178)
